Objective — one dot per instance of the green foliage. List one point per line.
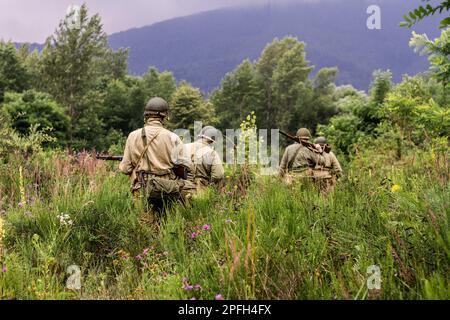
(187, 106)
(422, 12)
(75, 59)
(263, 242)
(13, 74)
(32, 108)
(438, 52)
(12, 143)
(411, 108)
(277, 88)
(237, 95)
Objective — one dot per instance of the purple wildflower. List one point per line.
(188, 287)
(4, 269)
(197, 287)
(195, 235)
(206, 227)
(219, 297)
(146, 251)
(138, 257)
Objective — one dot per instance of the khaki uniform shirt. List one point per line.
(298, 158)
(206, 164)
(330, 167)
(164, 151)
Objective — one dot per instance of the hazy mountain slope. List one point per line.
(201, 48)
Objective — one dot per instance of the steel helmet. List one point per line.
(156, 106)
(303, 134)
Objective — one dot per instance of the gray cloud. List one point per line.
(33, 21)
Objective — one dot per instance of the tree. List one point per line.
(438, 52)
(32, 108)
(422, 12)
(279, 70)
(73, 61)
(237, 96)
(187, 106)
(158, 84)
(13, 74)
(369, 112)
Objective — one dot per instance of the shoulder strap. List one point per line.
(146, 145)
(296, 154)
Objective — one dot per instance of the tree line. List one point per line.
(77, 93)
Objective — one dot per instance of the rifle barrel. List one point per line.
(109, 158)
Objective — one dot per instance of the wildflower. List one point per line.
(195, 235)
(146, 251)
(197, 287)
(65, 220)
(396, 188)
(138, 257)
(20, 204)
(4, 269)
(193, 298)
(206, 227)
(219, 297)
(188, 287)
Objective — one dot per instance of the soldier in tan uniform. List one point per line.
(327, 173)
(206, 164)
(298, 160)
(151, 153)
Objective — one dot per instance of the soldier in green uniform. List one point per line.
(150, 155)
(206, 164)
(299, 161)
(327, 173)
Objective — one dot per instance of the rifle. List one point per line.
(306, 144)
(179, 170)
(109, 158)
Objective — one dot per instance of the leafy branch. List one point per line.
(411, 18)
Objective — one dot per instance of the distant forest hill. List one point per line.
(202, 48)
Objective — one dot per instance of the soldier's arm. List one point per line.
(181, 154)
(335, 165)
(126, 166)
(284, 165)
(217, 171)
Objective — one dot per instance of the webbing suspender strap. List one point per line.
(146, 145)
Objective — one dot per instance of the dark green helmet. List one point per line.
(303, 134)
(209, 133)
(321, 140)
(156, 106)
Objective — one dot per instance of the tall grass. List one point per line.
(257, 239)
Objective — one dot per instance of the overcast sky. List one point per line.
(34, 20)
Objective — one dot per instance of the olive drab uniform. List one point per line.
(150, 155)
(298, 162)
(326, 174)
(206, 165)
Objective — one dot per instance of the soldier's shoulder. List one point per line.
(292, 147)
(172, 135)
(135, 133)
